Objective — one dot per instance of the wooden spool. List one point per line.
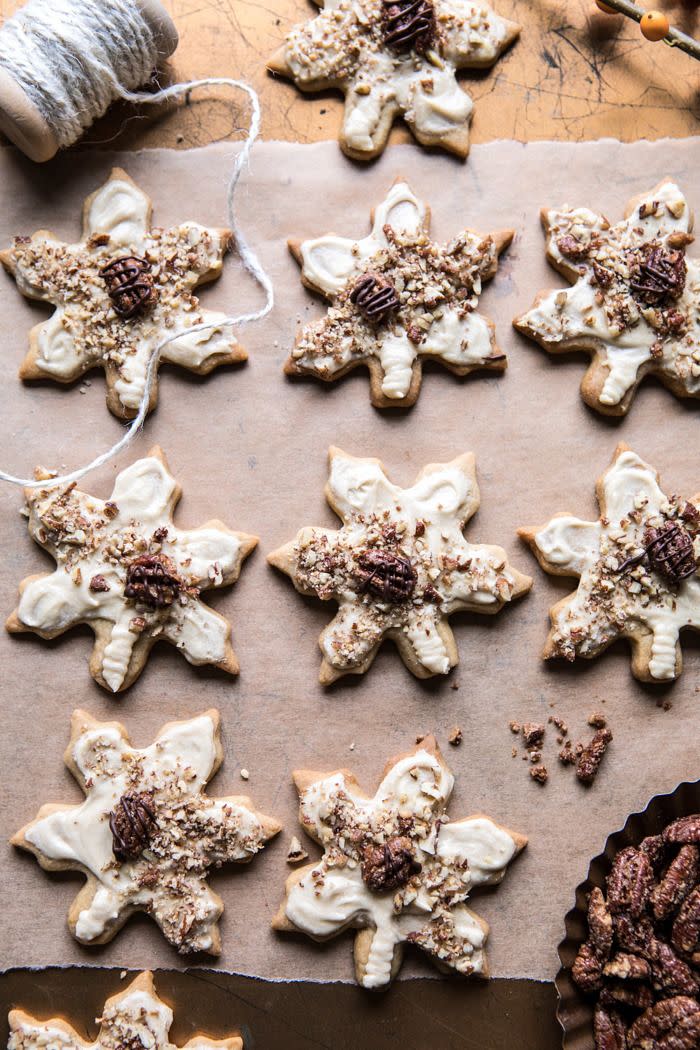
(21, 121)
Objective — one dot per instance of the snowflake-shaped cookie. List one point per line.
(146, 834)
(118, 293)
(395, 867)
(399, 566)
(125, 569)
(133, 1018)
(637, 566)
(397, 297)
(635, 301)
(391, 57)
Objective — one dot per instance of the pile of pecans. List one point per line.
(642, 957)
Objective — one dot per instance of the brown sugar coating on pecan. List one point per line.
(685, 935)
(600, 924)
(661, 1021)
(132, 822)
(627, 967)
(677, 882)
(657, 274)
(609, 1029)
(408, 24)
(389, 865)
(685, 829)
(387, 576)
(153, 581)
(588, 762)
(630, 882)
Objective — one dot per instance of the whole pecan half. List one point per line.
(630, 882)
(389, 865)
(587, 970)
(657, 275)
(375, 297)
(387, 576)
(685, 829)
(600, 924)
(685, 935)
(132, 822)
(627, 967)
(130, 285)
(679, 879)
(408, 24)
(609, 1029)
(153, 581)
(661, 1021)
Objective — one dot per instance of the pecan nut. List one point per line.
(387, 576)
(587, 970)
(685, 935)
(609, 1029)
(153, 581)
(627, 967)
(683, 830)
(592, 755)
(390, 865)
(660, 1021)
(132, 822)
(630, 882)
(679, 879)
(600, 924)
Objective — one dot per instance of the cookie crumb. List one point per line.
(533, 735)
(597, 720)
(244, 774)
(592, 755)
(296, 851)
(567, 755)
(420, 738)
(514, 727)
(454, 685)
(540, 774)
(455, 736)
(559, 724)
(514, 752)
(352, 746)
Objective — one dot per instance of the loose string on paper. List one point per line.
(93, 53)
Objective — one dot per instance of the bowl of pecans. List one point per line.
(630, 960)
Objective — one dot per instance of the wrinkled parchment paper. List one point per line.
(249, 446)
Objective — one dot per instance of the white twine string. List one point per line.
(109, 66)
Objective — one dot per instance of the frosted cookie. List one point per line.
(395, 868)
(147, 834)
(133, 1018)
(634, 302)
(399, 566)
(118, 293)
(125, 569)
(397, 297)
(637, 567)
(391, 57)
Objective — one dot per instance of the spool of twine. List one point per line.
(62, 62)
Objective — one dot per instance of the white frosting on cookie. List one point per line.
(625, 332)
(344, 47)
(193, 832)
(96, 543)
(85, 330)
(422, 526)
(427, 908)
(611, 602)
(437, 291)
(135, 1016)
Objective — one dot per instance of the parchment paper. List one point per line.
(249, 446)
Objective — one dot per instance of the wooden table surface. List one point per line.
(574, 74)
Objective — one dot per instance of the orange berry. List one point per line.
(654, 25)
(605, 8)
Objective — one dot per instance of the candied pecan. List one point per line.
(630, 882)
(627, 967)
(634, 934)
(609, 1029)
(600, 925)
(152, 581)
(679, 879)
(540, 774)
(655, 849)
(685, 829)
(98, 583)
(533, 734)
(684, 1036)
(626, 993)
(390, 865)
(587, 970)
(569, 246)
(669, 974)
(659, 1021)
(590, 758)
(132, 822)
(685, 935)
(387, 576)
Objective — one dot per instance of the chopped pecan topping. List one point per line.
(375, 297)
(657, 275)
(132, 822)
(130, 285)
(572, 248)
(408, 25)
(533, 734)
(387, 576)
(390, 865)
(153, 581)
(98, 583)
